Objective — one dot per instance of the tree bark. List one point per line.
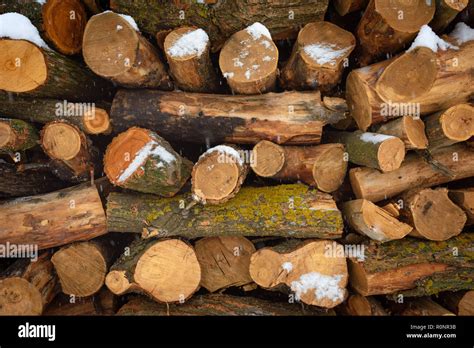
(357, 305)
(423, 306)
(318, 57)
(141, 160)
(322, 166)
(65, 34)
(373, 221)
(285, 210)
(26, 287)
(17, 135)
(115, 50)
(43, 73)
(166, 270)
(446, 11)
(284, 118)
(465, 199)
(445, 165)
(409, 267)
(53, 219)
(408, 129)
(224, 262)
(103, 303)
(379, 151)
(315, 275)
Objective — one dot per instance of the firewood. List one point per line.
(187, 53)
(43, 73)
(409, 129)
(141, 160)
(17, 135)
(249, 59)
(167, 270)
(392, 208)
(82, 266)
(114, 49)
(69, 150)
(91, 119)
(322, 166)
(344, 7)
(284, 118)
(388, 25)
(379, 151)
(224, 262)
(373, 221)
(419, 81)
(410, 267)
(318, 57)
(218, 305)
(61, 22)
(446, 11)
(465, 199)
(432, 214)
(103, 303)
(285, 210)
(446, 164)
(357, 305)
(460, 303)
(423, 306)
(225, 18)
(26, 287)
(450, 126)
(313, 274)
(53, 219)
(218, 174)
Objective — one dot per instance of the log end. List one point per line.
(390, 155)
(457, 122)
(7, 135)
(97, 121)
(415, 14)
(61, 140)
(19, 297)
(330, 168)
(415, 132)
(268, 159)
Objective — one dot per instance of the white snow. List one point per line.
(428, 38)
(374, 138)
(237, 62)
(324, 53)
(462, 33)
(287, 266)
(324, 286)
(230, 151)
(257, 29)
(191, 43)
(41, 2)
(247, 74)
(18, 27)
(119, 27)
(228, 75)
(267, 58)
(152, 148)
(128, 18)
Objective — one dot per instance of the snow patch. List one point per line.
(228, 75)
(325, 53)
(324, 286)
(119, 27)
(41, 2)
(128, 18)
(257, 29)
(267, 58)
(374, 138)
(428, 38)
(191, 43)
(18, 27)
(462, 33)
(247, 74)
(227, 150)
(287, 266)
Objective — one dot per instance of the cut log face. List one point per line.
(187, 52)
(323, 166)
(408, 129)
(387, 25)
(318, 56)
(224, 261)
(465, 199)
(315, 276)
(96, 121)
(113, 48)
(249, 61)
(166, 270)
(373, 221)
(432, 214)
(218, 175)
(140, 160)
(17, 135)
(451, 126)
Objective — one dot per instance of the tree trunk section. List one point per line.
(460, 303)
(409, 129)
(285, 210)
(53, 219)
(17, 135)
(294, 118)
(423, 306)
(446, 11)
(357, 305)
(103, 303)
(465, 199)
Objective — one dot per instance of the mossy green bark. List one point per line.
(286, 210)
(24, 136)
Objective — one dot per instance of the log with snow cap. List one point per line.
(379, 151)
(218, 174)
(318, 57)
(141, 160)
(187, 52)
(249, 60)
(31, 67)
(433, 75)
(114, 49)
(315, 271)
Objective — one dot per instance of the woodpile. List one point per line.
(236, 158)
